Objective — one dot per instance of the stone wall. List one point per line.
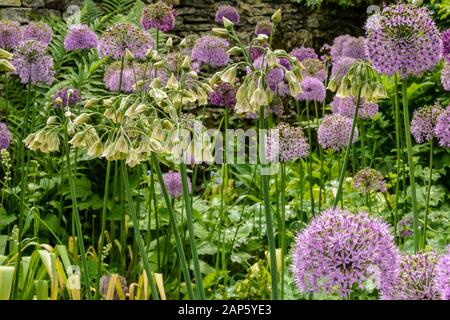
(301, 25)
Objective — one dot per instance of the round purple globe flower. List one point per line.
(443, 276)
(263, 27)
(286, 143)
(211, 50)
(112, 77)
(405, 226)
(348, 46)
(334, 132)
(340, 250)
(424, 122)
(369, 179)
(5, 136)
(224, 95)
(10, 34)
(340, 67)
(275, 77)
(80, 37)
(172, 181)
(442, 129)
(68, 98)
(446, 45)
(228, 12)
(312, 90)
(121, 36)
(416, 278)
(303, 53)
(32, 62)
(39, 31)
(346, 107)
(255, 52)
(407, 41)
(445, 77)
(158, 16)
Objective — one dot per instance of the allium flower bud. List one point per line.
(276, 17)
(172, 181)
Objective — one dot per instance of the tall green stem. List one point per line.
(412, 178)
(427, 202)
(398, 150)
(137, 233)
(347, 150)
(173, 222)
(311, 192)
(283, 224)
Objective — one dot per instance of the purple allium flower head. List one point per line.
(340, 67)
(446, 45)
(442, 129)
(105, 283)
(314, 68)
(334, 132)
(80, 37)
(39, 31)
(172, 180)
(228, 12)
(112, 77)
(211, 50)
(121, 36)
(224, 95)
(303, 53)
(286, 143)
(405, 226)
(348, 46)
(445, 77)
(158, 16)
(5, 136)
(424, 122)
(275, 77)
(416, 278)
(407, 42)
(369, 179)
(346, 107)
(263, 27)
(312, 90)
(340, 250)
(10, 34)
(32, 62)
(255, 53)
(443, 276)
(67, 100)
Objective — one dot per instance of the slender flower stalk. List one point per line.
(427, 201)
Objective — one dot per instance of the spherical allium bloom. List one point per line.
(424, 122)
(172, 181)
(443, 276)
(228, 12)
(5, 136)
(211, 50)
(105, 282)
(445, 77)
(80, 37)
(446, 45)
(263, 27)
(369, 179)
(340, 250)
(10, 34)
(373, 22)
(224, 95)
(303, 53)
(32, 62)
(255, 52)
(275, 77)
(416, 278)
(340, 67)
(312, 90)
(121, 36)
(314, 68)
(408, 41)
(346, 107)
(348, 46)
(112, 77)
(442, 129)
(158, 16)
(334, 132)
(39, 31)
(405, 226)
(286, 143)
(68, 98)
